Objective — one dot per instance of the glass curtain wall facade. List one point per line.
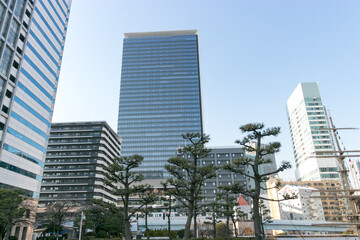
(31, 47)
(310, 134)
(160, 96)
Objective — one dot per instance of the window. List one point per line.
(7, 24)
(2, 125)
(22, 38)
(19, 8)
(25, 24)
(19, 50)
(8, 94)
(16, 64)
(13, 32)
(5, 61)
(5, 109)
(12, 78)
(27, 13)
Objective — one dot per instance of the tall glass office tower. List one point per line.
(160, 96)
(31, 46)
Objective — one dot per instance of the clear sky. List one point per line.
(252, 56)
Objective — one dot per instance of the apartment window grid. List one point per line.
(78, 163)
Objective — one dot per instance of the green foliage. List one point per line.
(55, 215)
(220, 238)
(188, 177)
(110, 219)
(252, 143)
(162, 233)
(10, 209)
(101, 234)
(123, 180)
(181, 233)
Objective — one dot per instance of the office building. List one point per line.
(160, 96)
(310, 134)
(76, 155)
(31, 48)
(32, 42)
(219, 156)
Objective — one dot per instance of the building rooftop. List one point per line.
(241, 201)
(160, 33)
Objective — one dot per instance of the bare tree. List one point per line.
(188, 176)
(256, 133)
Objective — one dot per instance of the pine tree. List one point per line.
(188, 176)
(256, 133)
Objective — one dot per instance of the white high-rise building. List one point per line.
(31, 47)
(310, 134)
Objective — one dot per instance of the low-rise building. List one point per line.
(302, 206)
(333, 208)
(354, 172)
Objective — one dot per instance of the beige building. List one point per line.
(333, 208)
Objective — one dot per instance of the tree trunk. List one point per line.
(169, 220)
(7, 232)
(146, 226)
(127, 229)
(195, 225)
(257, 220)
(188, 222)
(214, 225)
(227, 227)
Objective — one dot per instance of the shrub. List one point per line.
(181, 233)
(101, 234)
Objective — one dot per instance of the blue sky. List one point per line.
(252, 56)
